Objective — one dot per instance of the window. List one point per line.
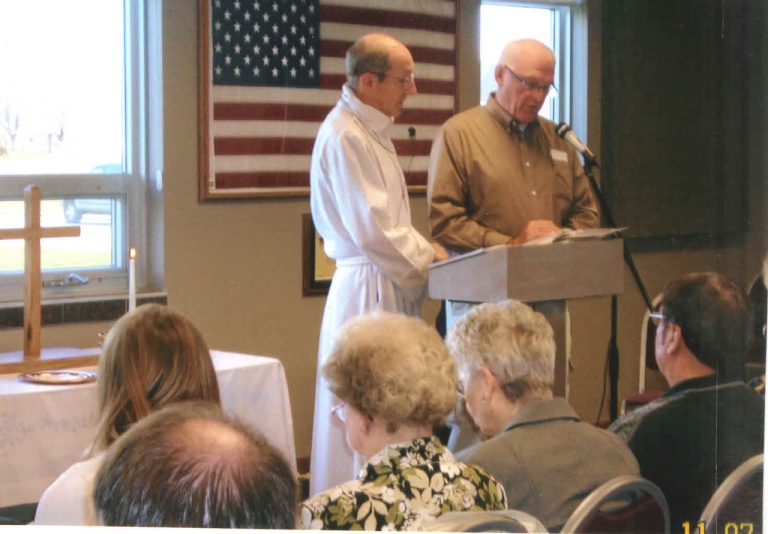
(548, 22)
(80, 118)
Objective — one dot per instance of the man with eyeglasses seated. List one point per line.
(499, 173)
(709, 421)
(360, 207)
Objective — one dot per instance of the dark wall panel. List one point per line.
(673, 138)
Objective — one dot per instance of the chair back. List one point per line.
(625, 504)
(738, 500)
(489, 521)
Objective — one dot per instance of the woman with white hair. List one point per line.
(546, 457)
(395, 380)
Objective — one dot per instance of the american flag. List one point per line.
(275, 69)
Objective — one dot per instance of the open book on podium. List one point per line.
(546, 276)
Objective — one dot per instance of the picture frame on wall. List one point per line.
(318, 268)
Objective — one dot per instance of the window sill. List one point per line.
(85, 310)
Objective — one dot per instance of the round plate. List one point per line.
(58, 377)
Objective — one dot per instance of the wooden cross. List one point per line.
(32, 233)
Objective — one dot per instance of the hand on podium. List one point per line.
(440, 253)
(534, 230)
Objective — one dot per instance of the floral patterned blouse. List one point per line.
(400, 487)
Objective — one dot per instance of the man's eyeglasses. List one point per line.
(656, 317)
(405, 81)
(339, 410)
(530, 85)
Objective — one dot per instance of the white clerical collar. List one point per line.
(372, 117)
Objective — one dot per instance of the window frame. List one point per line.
(142, 142)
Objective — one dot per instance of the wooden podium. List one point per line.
(545, 276)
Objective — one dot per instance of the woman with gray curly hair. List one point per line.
(546, 457)
(395, 380)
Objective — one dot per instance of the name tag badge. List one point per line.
(559, 155)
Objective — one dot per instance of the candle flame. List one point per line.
(132, 253)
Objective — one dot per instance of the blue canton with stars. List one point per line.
(266, 42)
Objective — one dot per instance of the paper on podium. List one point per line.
(568, 234)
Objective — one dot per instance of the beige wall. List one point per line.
(235, 267)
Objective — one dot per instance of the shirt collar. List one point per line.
(692, 383)
(399, 456)
(372, 117)
(539, 411)
(506, 120)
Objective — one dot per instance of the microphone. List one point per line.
(567, 133)
(411, 132)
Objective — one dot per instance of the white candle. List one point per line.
(132, 279)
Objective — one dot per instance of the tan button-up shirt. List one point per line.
(487, 179)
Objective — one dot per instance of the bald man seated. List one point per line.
(187, 465)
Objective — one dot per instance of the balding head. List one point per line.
(380, 72)
(524, 52)
(189, 466)
(525, 66)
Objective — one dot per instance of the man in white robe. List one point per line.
(360, 207)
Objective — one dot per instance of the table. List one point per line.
(44, 429)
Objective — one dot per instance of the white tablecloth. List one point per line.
(44, 429)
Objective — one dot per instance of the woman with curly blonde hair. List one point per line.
(395, 380)
(151, 357)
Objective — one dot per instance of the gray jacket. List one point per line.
(548, 460)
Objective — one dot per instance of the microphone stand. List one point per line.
(613, 347)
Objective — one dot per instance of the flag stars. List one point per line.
(271, 44)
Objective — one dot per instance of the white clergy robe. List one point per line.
(360, 208)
